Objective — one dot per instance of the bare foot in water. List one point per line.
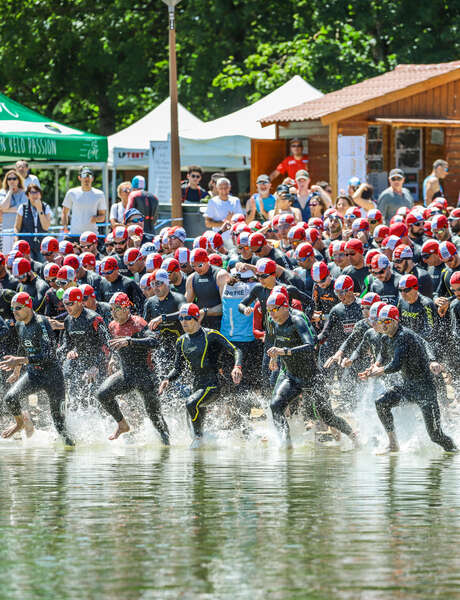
(28, 425)
(12, 429)
(123, 427)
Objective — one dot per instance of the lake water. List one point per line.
(234, 519)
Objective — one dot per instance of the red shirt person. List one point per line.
(296, 161)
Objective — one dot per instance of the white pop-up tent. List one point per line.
(226, 142)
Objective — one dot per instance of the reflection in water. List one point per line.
(250, 522)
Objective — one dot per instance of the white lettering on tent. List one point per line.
(2, 144)
(41, 147)
(4, 108)
(17, 145)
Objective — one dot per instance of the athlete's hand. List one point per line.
(72, 355)
(273, 364)
(237, 375)
(164, 384)
(91, 374)
(118, 343)
(443, 308)
(273, 352)
(376, 371)
(154, 323)
(316, 317)
(248, 310)
(435, 367)
(441, 301)
(364, 374)
(10, 362)
(55, 324)
(112, 366)
(14, 376)
(335, 358)
(346, 362)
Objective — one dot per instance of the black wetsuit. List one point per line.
(305, 276)
(425, 283)
(180, 289)
(93, 280)
(36, 288)
(324, 298)
(387, 290)
(103, 309)
(421, 316)
(406, 352)
(299, 373)
(43, 371)
(123, 284)
(443, 290)
(199, 351)
(170, 328)
(435, 272)
(134, 374)
(53, 306)
(454, 310)
(8, 282)
(281, 259)
(368, 349)
(207, 294)
(339, 325)
(360, 278)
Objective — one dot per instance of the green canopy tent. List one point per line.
(46, 144)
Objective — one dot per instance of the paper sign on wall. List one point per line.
(351, 158)
(160, 170)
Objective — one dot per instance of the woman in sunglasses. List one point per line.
(118, 209)
(198, 348)
(12, 195)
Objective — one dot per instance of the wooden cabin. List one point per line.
(405, 118)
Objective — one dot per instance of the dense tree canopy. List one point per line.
(101, 65)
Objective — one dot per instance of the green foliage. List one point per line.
(101, 65)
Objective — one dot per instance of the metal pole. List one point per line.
(176, 200)
(105, 188)
(56, 190)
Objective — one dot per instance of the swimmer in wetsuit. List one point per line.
(403, 350)
(295, 341)
(199, 349)
(42, 369)
(132, 341)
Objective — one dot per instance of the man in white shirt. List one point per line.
(222, 207)
(22, 167)
(87, 204)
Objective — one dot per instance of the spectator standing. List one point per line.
(296, 161)
(12, 195)
(22, 167)
(262, 202)
(117, 211)
(395, 196)
(307, 194)
(190, 189)
(432, 185)
(222, 207)
(145, 202)
(33, 217)
(85, 204)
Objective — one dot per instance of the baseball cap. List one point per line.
(281, 289)
(73, 294)
(177, 232)
(50, 270)
(87, 260)
(198, 255)
(22, 246)
(22, 298)
(397, 219)
(319, 271)
(282, 189)
(408, 281)
(369, 299)
(88, 237)
(87, 290)
(49, 244)
(302, 174)
(238, 218)
(396, 173)
(263, 179)
(120, 299)
(446, 250)
(403, 252)
(108, 265)
(266, 266)
(138, 182)
(277, 299)
(72, 260)
(403, 211)
(108, 239)
(85, 171)
(354, 181)
(389, 312)
(344, 283)
(189, 310)
(21, 266)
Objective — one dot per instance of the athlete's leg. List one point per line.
(113, 386)
(432, 417)
(286, 390)
(54, 386)
(147, 389)
(196, 405)
(383, 405)
(20, 389)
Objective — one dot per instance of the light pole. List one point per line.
(176, 209)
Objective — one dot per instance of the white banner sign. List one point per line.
(127, 156)
(352, 159)
(160, 170)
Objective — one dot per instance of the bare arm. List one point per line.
(6, 203)
(99, 218)
(65, 216)
(274, 174)
(189, 291)
(367, 204)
